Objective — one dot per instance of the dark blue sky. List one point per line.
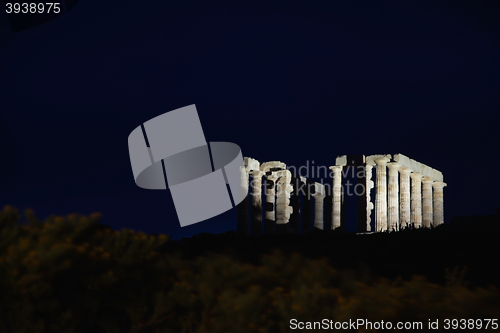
(286, 80)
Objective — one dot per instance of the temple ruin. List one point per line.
(406, 193)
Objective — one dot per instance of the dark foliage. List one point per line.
(72, 274)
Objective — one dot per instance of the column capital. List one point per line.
(416, 176)
(393, 165)
(257, 173)
(336, 168)
(251, 164)
(381, 160)
(404, 170)
(427, 180)
(439, 184)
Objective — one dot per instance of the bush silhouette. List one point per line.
(71, 274)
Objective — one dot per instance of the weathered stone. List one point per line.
(319, 196)
(438, 203)
(271, 197)
(371, 158)
(337, 196)
(267, 166)
(392, 194)
(398, 202)
(404, 197)
(295, 203)
(283, 190)
(251, 164)
(381, 195)
(369, 185)
(256, 226)
(416, 199)
(242, 226)
(307, 222)
(421, 168)
(341, 160)
(427, 201)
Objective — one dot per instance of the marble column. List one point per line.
(404, 197)
(437, 200)
(319, 196)
(381, 195)
(256, 226)
(427, 202)
(269, 225)
(416, 199)
(283, 190)
(306, 207)
(392, 194)
(337, 196)
(295, 203)
(369, 204)
(242, 226)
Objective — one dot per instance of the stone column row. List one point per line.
(395, 207)
(398, 203)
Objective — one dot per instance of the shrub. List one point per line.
(69, 274)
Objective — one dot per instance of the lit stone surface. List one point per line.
(427, 202)
(392, 194)
(266, 166)
(319, 197)
(256, 187)
(369, 204)
(421, 168)
(416, 199)
(371, 158)
(283, 190)
(399, 202)
(404, 197)
(337, 196)
(251, 164)
(381, 195)
(270, 197)
(438, 203)
(341, 160)
(244, 178)
(271, 191)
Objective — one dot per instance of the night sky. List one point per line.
(291, 81)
